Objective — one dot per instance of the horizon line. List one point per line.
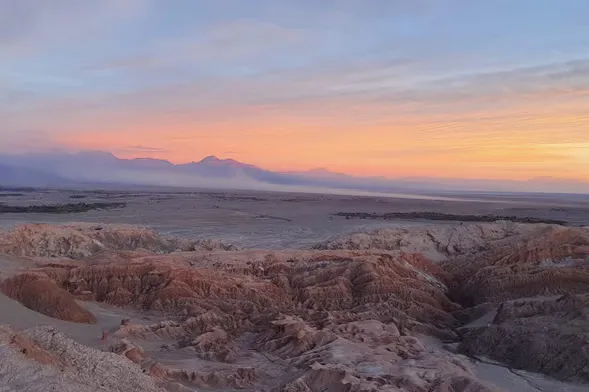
(292, 171)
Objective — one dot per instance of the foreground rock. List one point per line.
(42, 359)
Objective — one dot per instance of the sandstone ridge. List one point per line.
(355, 314)
(82, 240)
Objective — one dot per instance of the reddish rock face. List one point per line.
(341, 285)
(437, 242)
(534, 327)
(548, 261)
(82, 241)
(40, 293)
(332, 320)
(522, 272)
(299, 307)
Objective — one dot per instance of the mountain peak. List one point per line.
(321, 172)
(213, 160)
(96, 154)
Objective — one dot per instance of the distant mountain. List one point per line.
(148, 164)
(212, 166)
(12, 176)
(99, 167)
(321, 173)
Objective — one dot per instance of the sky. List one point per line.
(437, 88)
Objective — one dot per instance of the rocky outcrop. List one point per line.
(364, 356)
(546, 261)
(174, 378)
(167, 287)
(437, 242)
(39, 293)
(79, 241)
(359, 356)
(339, 379)
(42, 359)
(527, 286)
(541, 335)
(508, 277)
(322, 285)
(214, 345)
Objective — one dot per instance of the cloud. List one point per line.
(506, 95)
(130, 63)
(26, 140)
(230, 44)
(471, 113)
(565, 77)
(248, 37)
(380, 83)
(30, 26)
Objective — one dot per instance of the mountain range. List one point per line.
(98, 168)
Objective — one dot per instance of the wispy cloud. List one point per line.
(30, 26)
(27, 140)
(238, 43)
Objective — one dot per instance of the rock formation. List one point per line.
(78, 241)
(43, 359)
(510, 279)
(437, 242)
(546, 261)
(550, 336)
(325, 284)
(40, 293)
(349, 319)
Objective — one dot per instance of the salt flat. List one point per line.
(280, 220)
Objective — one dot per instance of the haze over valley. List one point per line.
(96, 168)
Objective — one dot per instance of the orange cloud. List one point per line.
(481, 129)
(503, 144)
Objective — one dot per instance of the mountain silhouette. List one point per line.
(100, 167)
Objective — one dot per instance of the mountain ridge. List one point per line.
(102, 167)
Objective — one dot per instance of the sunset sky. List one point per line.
(437, 88)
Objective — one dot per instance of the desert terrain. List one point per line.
(253, 291)
(269, 220)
